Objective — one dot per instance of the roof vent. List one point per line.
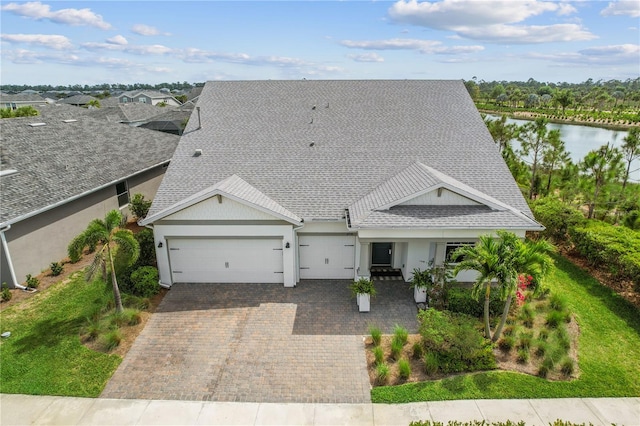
(70, 120)
(8, 172)
(198, 153)
(37, 124)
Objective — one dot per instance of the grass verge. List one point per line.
(44, 355)
(609, 350)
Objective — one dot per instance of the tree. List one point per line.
(534, 140)
(107, 233)
(502, 259)
(554, 155)
(501, 132)
(564, 98)
(630, 151)
(601, 166)
(93, 103)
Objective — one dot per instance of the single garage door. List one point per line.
(228, 260)
(326, 256)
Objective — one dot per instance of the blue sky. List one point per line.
(92, 42)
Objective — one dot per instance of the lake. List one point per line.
(579, 140)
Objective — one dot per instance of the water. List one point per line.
(579, 140)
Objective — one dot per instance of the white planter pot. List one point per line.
(420, 294)
(364, 302)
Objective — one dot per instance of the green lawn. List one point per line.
(43, 355)
(609, 353)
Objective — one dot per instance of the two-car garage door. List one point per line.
(226, 260)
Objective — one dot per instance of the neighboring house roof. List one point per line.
(110, 101)
(132, 112)
(318, 148)
(25, 98)
(153, 94)
(77, 100)
(60, 161)
(170, 121)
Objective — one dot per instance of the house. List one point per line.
(148, 97)
(282, 181)
(60, 170)
(21, 99)
(172, 121)
(133, 114)
(77, 100)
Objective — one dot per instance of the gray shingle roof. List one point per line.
(61, 160)
(77, 100)
(317, 147)
(129, 112)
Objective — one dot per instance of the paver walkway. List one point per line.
(258, 343)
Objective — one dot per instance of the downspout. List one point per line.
(5, 248)
(295, 234)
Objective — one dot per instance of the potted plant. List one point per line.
(363, 290)
(420, 283)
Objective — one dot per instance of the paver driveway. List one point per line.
(259, 343)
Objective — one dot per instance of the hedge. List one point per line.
(616, 247)
(556, 216)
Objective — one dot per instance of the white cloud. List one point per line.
(490, 20)
(423, 46)
(596, 56)
(622, 7)
(119, 40)
(76, 17)
(366, 57)
(147, 30)
(155, 49)
(57, 42)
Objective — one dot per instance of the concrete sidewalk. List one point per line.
(53, 410)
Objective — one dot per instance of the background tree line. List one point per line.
(99, 87)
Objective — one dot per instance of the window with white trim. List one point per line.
(122, 191)
(453, 246)
(142, 100)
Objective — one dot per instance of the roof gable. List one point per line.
(235, 189)
(414, 186)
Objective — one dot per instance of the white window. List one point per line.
(125, 100)
(453, 246)
(122, 191)
(142, 100)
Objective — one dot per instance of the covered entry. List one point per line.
(226, 260)
(326, 256)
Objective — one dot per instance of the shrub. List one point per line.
(506, 343)
(404, 368)
(138, 206)
(543, 334)
(112, 339)
(56, 268)
(400, 334)
(554, 318)
(556, 216)
(431, 363)
(5, 294)
(461, 300)
(418, 350)
(396, 348)
(378, 355)
(523, 356)
(563, 339)
(455, 340)
(558, 302)
(147, 248)
(93, 328)
(566, 367)
(543, 371)
(376, 335)
(145, 281)
(524, 340)
(508, 330)
(32, 282)
(541, 349)
(527, 315)
(548, 363)
(382, 373)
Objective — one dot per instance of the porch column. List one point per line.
(363, 261)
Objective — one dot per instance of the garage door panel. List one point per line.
(226, 260)
(326, 256)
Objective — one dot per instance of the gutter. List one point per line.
(5, 248)
(76, 197)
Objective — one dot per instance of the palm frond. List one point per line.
(127, 243)
(113, 220)
(97, 266)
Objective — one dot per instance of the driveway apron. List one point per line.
(258, 343)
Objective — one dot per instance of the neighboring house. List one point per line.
(280, 181)
(77, 100)
(172, 121)
(21, 99)
(151, 97)
(131, 114)
(59, 171)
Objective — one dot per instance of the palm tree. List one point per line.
(107, 233)
(502, 260)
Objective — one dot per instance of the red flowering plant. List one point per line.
(524, 281)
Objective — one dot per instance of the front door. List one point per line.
(381, 254)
